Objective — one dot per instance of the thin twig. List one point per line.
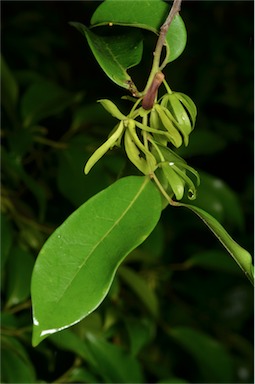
(175, 9)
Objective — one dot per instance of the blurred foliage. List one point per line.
(179, 309)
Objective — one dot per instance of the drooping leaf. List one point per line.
(149, 15)
(239, 254)
(212, 358)
(115, 54)
(76, 266)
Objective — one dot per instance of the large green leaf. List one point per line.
(115, 54)
(146, 14)
(240, 255)
(76, 266)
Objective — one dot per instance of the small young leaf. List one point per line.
(115, 54)
(76, 266)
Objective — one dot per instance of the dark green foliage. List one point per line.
(179, 310)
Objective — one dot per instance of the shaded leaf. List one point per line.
(213, 260)
(140, 333)
(141, 289)
(6, 239)
(76, 266)
(113, 363)
(44, 99)
(115, 54)
(72, 182)
(215, 196)
(15, 364)
(213, 360)
(9, 88)
(20, 266)
(149, 15)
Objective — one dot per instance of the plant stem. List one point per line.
(160, 43)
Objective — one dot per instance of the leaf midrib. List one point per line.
(102, 239)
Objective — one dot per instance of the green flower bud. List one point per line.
(112, 109)
(110, 143)
(168, 124)
(182, 111)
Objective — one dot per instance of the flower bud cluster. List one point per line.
(146, 135)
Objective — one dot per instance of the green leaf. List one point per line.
(149, 15)
(9, 89)
(69, 341)
(15, 364)
(20, 266)
(140, 332)
(13, 167)
(72, 182)
(113, 363)
(239, 254)
(214, 259)
(212, 359)
(215, 196)
(76, 266)
(44, 99)
(6, 239)
(141, 289)
(115, 54)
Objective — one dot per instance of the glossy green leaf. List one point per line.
(141, 289)
(115, 54)
(76, 266)
(239, 254)
(113, 363)
(212, 359)
(19, 269)
(146, 14)
(44, 99)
